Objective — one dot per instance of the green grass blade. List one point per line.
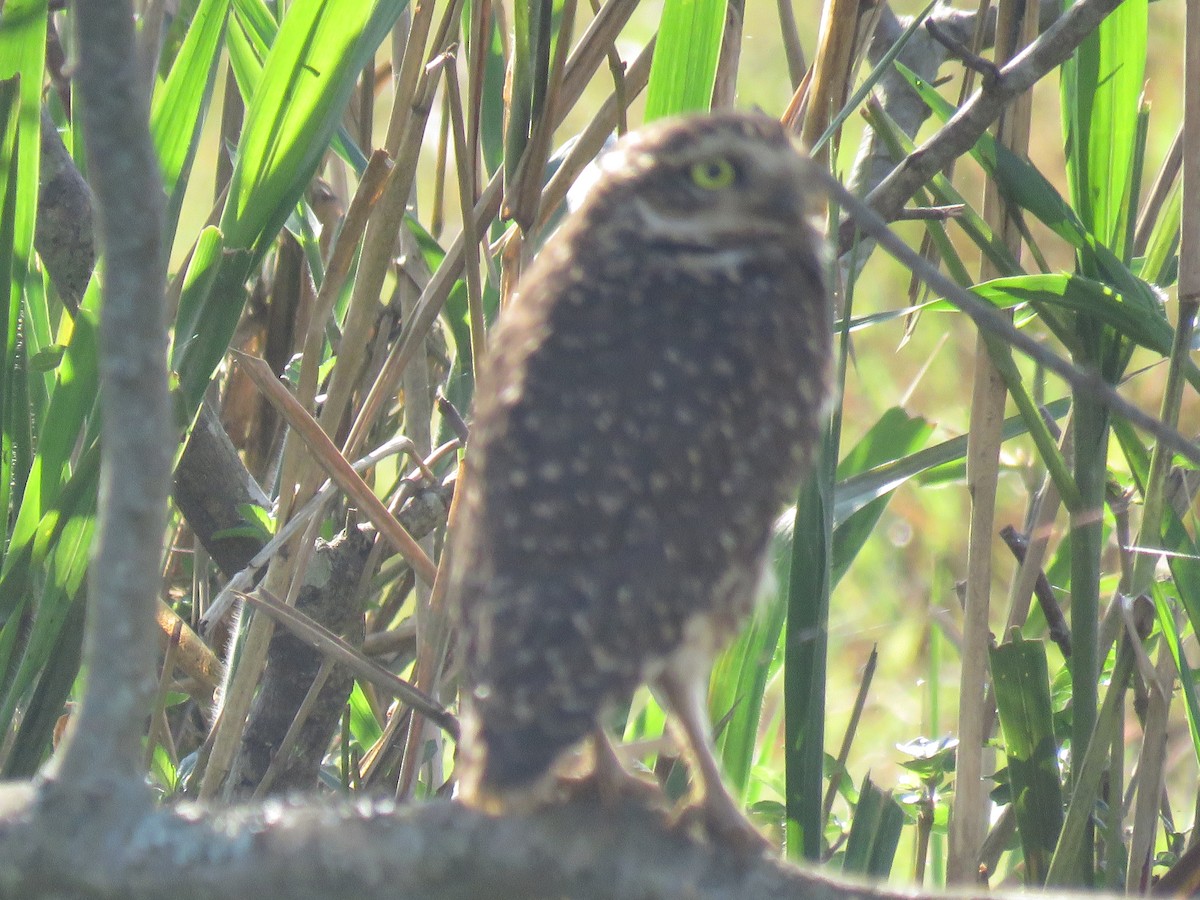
(530, 22)
(34, 738)
(70, 408)
(50, 655)
(806, 641)
(740, 674)
(261, 24)
(1101, 87)
(306, 81)
(1160, 265)
(246, 53)
(1183, 559)
(177, 110)
(895, 435)
(11, 482)
(197, 285)
(1187, 675)
(22, 55)
(939, 464)
(312, 67)
(491, 102)
(685, 57)
(1024, 185)
(874, 832)
(944, 192)
(363, 725)
(1076, 294)
(1022, 685)
(214, 308)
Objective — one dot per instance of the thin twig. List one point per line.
(337, 466)
(1056, 622)
(973, 61)
(958, 135)
(321, 638)
(989, 319)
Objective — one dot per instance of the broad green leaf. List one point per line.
(894, 436)
(178, 108)
(72, 405)
(874, 833)
(22, 55)
(363, 724)
(307, 78)
(1101, 89)
(684, 67)
(1078, 295)
(12, 427)
(1022, 686)
(805, 649)
(250, 37)
(740, 674)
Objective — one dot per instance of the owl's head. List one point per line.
(707, 182)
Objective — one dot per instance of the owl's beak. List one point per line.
(792, 199)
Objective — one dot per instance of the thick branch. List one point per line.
(328, 850)
(136, 441)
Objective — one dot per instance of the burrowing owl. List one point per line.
(651, 399)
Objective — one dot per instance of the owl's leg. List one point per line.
(718, 811)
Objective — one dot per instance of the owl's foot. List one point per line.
(610, 783)
(718, 819)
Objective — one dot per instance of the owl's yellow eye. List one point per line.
(713, 174)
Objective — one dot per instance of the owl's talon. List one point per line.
(723, 827)
(610, 783)
(608, 791)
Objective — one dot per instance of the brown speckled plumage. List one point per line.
(651, 399)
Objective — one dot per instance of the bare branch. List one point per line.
(105, 745)
(958, 135)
